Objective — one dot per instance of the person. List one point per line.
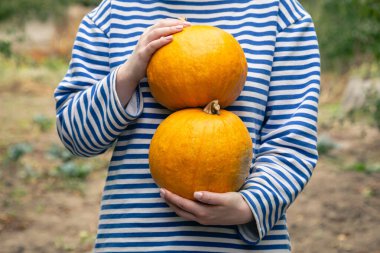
(104, 101)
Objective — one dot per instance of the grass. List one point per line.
(26, 71)
(329, 114)
(48, 169)
(364, 167)
(26, 91)
(29, 140)
(34, 165)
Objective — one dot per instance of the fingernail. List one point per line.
(198, 195)
(187, 23)
(170, 37)
(179, 27)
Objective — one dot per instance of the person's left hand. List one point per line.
(210, 208)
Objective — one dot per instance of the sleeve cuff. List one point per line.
(134, 107)
(250, 232)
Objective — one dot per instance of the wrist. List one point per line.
(126, 84)
(125, 75)
(245, 211)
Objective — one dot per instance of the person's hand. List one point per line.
(153, 38)
(210, 208)
(134, 69)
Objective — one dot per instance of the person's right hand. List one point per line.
(134, 69)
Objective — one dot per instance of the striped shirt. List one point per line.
(278, 106)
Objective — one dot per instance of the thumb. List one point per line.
(211, 198)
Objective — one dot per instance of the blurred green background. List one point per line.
(49, 200)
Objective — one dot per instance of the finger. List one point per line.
(154, 45)
(182, 203)
(211, 198)
(183, 213)
(166, 23)
(170, 22)
(162, 32)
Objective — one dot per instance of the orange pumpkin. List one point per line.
(201, 64)
(194, 150)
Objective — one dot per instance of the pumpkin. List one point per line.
(201, 64)
(194, 150)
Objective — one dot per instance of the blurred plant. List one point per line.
(55, 63)
(86, 2)
(68, 167)
(14, 167)
(363, 166)
(44, 123)
(28, 172)
(325, 145)
(18, 193)
(369, 110)
(62, 246)
(26, 9)
(5, 48)
(58, 152)
(372, 107)
(73, 170)
(348, 31)
(23, 10)
(86, 237)
(367, 192)
(16, 151)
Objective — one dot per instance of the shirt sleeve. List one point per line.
(287, 152)
(89, 114)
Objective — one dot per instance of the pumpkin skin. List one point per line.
(201, 64)
(192, 151)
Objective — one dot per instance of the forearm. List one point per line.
(89, 122)
(126, 84)
(95, 104)
(287, 154)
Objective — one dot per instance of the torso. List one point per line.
(133, 217)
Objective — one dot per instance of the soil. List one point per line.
(338, 212)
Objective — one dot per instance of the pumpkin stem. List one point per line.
(212, 108)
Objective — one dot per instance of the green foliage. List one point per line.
(44, 123)
(325, 145)
(373, 108)
(16, 195)
(86, 237)
(87, 2)
(5, 48)
(73, 170)
(365, 167)
(22, 10)
(348, 31)
(369, 111)
(367, 192)
(17, 151)
(28, 172)
(58, 152)
(55, 64)
(69, 167)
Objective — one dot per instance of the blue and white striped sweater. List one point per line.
(278, 105)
